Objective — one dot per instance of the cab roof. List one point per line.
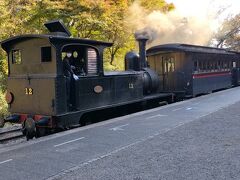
(54, 39)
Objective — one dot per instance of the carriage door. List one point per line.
(168, 73)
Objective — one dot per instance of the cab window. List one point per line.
(92, 61)
(46, 54)
(16, 56)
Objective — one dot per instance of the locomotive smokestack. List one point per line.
(142, 50)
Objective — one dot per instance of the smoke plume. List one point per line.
(171, 27)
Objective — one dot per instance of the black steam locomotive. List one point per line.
(41, 96)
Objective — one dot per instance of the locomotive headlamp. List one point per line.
(9, 97)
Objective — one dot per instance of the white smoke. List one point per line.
(171, 27)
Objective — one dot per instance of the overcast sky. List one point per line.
(206, 7)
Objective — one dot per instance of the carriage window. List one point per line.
(16, 57)
(195, 66)
(228, 65)
(169, 65)
(219, 65)
(234, 64)
(211, 66)
(225, 65)
(92, 61)
(46, 54)
(166, 66)
(216, 66)
(200, 66)
(208, 66)
(204, 66)
(172, 67)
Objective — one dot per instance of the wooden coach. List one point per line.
(189, 70)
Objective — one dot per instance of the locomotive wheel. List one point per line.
(41, 131)
(29, 128)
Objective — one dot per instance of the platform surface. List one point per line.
(194, 139)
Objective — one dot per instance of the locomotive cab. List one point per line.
(32, 73)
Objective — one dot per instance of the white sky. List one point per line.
(207, 8)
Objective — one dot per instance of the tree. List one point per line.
(116, 30)
(95, 19)
(229, 34)
(120, 32)
(157, 5)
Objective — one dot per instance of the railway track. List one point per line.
(9, 135)
(14, 133)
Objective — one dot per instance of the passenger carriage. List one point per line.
(190, 70)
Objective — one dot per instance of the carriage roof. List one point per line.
(177, 47)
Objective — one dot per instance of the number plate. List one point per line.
(28, 91)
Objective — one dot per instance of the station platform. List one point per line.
(193, 139)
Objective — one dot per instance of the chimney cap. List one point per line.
(142, 35)
(57, 26)
(139, 38)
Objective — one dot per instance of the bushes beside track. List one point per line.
(3, 107)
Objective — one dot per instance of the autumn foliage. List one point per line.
(95, 19)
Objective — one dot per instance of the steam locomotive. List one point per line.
(37, 90)
(41, 97)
